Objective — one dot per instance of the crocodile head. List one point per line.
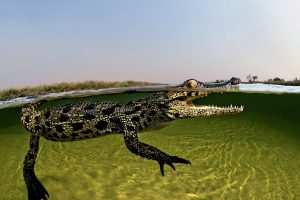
(193, 83)
(180, 105)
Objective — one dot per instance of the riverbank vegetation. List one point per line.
(276, 81)
(280, 81)
(12, 93)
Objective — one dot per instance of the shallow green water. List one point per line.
(251, 155)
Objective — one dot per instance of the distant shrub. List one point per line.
(278, 79)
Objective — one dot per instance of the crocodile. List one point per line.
(193, 83)
(84, 120)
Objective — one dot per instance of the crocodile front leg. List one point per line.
(147, 151)
(36, 191)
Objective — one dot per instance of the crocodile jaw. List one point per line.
(186, 110)
(198, 111)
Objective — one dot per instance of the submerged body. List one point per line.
(94, 119)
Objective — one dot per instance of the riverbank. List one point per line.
(285, 83)
(12, 93)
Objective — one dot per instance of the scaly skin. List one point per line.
(94, 119)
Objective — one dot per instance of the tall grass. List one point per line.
(67, 86)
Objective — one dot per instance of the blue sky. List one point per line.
(159, 40)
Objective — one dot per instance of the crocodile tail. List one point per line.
(29, 112)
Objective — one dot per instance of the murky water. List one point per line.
(252, 155)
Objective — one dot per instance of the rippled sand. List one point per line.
(231, 159)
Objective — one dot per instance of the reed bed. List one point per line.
(12, 93)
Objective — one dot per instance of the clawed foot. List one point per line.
(169, 161)
(36, 191)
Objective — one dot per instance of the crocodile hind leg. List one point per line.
(148, 151)
(36, 191)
